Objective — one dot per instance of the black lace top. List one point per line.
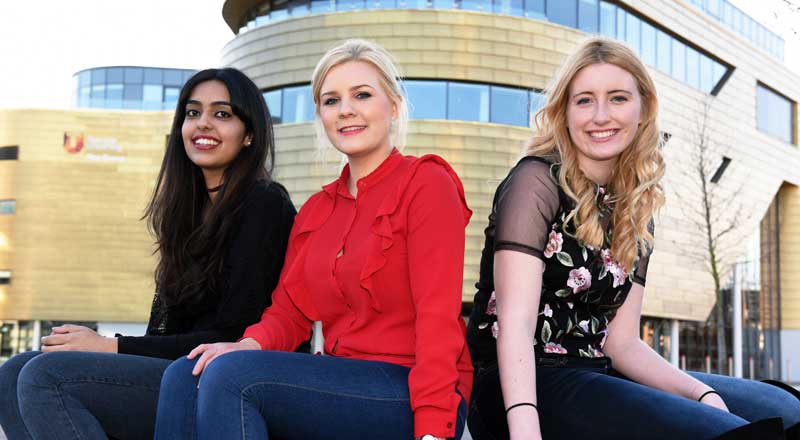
(582, 288)
(252, 265)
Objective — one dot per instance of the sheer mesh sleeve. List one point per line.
(640, 275)
(526, 205)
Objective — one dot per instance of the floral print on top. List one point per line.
(582, 287)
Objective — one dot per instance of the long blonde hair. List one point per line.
(388, 74)
(635, 181)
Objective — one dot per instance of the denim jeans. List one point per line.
(79, 395)
(268, 394)
(581, 403)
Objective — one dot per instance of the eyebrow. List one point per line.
(351, 88)
(609, 92)
(196, 102)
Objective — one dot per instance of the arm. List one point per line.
(518, 284)
(636, 360)
(435, 238)
(253, 262)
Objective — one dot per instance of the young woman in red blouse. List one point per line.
(377, 256)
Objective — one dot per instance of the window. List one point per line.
(621, 24)
(171, 97)
(173, 78)
(510, 7)
(98, 76)
(648, 49)
(8, 207)
(427, 99)
(678, 60)
(9, 153)
(468, 102)
(563, 12)
(775, 114)
(535, 9)
(509, 106)
(693, 67)
(134, 75)
(473, 5)
(153, 96)
(608, 19)
(273, 100)
(5, 277)
(85, 78)
(152, 76)
(321, 6)
(664, 52)
(538, 100)
(632, 32)
(98, 95)
(114, 95)
(588, 16)
(297, 105)
(706, 74)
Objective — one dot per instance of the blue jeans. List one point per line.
(79, 395)
(581, 403)
(268, 394)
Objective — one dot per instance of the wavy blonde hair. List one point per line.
(388, 74)
(635, 181)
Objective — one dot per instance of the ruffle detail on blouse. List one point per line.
(317, 210)
(382, 226)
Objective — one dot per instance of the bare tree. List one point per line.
(794, 8)
(715, 211)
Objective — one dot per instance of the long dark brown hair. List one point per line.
(191, 246)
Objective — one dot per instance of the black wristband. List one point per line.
(706, 394)
(522, 404)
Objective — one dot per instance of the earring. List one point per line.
(247, 143)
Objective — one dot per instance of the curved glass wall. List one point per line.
(656, 46)
(132, 88)
(733, 17)
(427, 99)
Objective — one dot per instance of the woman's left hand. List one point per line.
(209, 352)
(69, 337)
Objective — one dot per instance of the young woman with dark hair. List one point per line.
(221, 227)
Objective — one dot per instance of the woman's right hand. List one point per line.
(209, 352)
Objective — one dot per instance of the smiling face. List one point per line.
(356, 111)
(603, 115)
(212, 134)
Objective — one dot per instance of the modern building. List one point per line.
(129, 87)
(72, 247)
(474, 74)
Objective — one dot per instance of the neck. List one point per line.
(213, 180)
(361, 166)
(598, 172)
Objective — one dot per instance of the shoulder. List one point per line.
(431, 168)
(268, 199)
(534, 168)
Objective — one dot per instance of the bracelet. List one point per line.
(522, 404)
(707, 393)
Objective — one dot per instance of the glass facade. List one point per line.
(133, 88)
(728, 14)
(775, 114)
(8, 207)
(427, 99)
(657, 47)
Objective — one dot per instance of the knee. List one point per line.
(178, 376)
(787, 407)
(10, 370)
(39, 372)
(219, 375)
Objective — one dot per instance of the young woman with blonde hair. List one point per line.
(563, 273)
(377, 256)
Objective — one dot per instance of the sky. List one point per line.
(43, 43)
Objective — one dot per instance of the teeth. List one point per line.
(204, 141)
(349, 129)
(602, 134)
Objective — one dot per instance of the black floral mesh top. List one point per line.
(582, 288)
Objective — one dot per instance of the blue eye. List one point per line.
(330, 101)
(363, 95)
(619, 98)
(582, 101)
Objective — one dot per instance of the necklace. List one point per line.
(214, 189)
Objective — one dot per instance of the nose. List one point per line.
(204, 121)
(345, 109)
(601, 113)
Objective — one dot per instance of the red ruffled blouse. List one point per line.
(383, 272)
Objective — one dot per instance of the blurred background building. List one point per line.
(74, 183)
